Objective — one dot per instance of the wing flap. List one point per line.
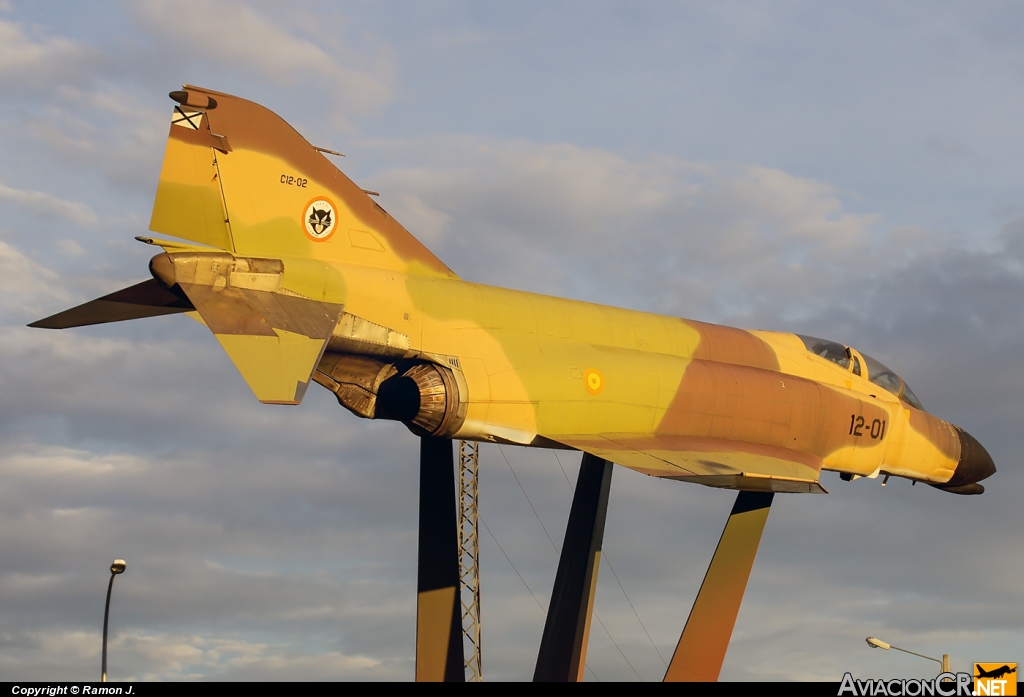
(146, 299)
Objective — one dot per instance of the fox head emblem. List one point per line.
(320, 220)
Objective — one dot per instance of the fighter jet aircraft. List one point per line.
(301, 275)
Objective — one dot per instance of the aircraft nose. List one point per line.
(975, 463)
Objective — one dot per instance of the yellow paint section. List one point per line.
(433, 630)
(498, 401)
(378, 295)
(267, 216)
(911, 454)
(273, 367)
(188, 197)
(531, 344)
(363, 239)
(315, 279)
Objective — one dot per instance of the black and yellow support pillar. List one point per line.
(439, 653)
(563, 648)
(705, 639)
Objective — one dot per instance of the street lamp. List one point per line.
(879, 644)
(116, 568)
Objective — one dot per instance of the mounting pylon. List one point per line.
(439, 647)
(469, 554)
(563, 647)
(705, 639)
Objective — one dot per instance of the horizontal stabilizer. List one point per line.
(276, 368)
(146, 299)
(274, 340)
(275, 337)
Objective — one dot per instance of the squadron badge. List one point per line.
(319, 219)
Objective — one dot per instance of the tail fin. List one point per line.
(237, 177)
(274, 216)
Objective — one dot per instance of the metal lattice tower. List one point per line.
(469, 555)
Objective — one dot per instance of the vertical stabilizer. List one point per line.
(237, 177)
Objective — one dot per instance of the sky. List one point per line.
(847, 170)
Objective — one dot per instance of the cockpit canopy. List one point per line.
(848, 359)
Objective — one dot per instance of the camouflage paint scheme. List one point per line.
(361, 307)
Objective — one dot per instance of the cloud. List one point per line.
(233, 36)
(47, 205)
(74, 101)
(171, 656)
(105, 129)
(37, 64)
(69, 248)
(25, 284)
(657, 230)
(64, 462)
(65, 510)
(99, 103)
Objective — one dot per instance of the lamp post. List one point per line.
(116, 568)
(879, 644)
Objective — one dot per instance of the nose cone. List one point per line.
(975, 463)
